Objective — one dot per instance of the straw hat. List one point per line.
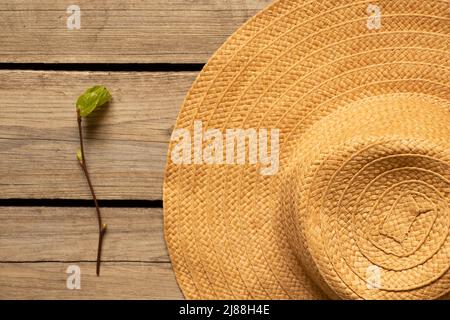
(359, 205)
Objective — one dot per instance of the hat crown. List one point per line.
(368, 212)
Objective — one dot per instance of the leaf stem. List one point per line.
(101, 226)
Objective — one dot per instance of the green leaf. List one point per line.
(91, 99)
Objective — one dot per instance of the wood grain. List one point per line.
(37, 244)
(60, 234)
(126, 142)
(122, 280)
(112, 31)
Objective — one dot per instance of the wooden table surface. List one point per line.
(147, 52)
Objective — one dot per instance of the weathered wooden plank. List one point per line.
(120, 31)
(30, 234)
(117, 281)
(126, 142)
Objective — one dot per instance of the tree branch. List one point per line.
(101, 226)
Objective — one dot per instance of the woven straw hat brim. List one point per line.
(364, 136)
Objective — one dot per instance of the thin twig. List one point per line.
(101, 227)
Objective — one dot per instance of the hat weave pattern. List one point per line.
(359, 208)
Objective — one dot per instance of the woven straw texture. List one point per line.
(363, 186)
